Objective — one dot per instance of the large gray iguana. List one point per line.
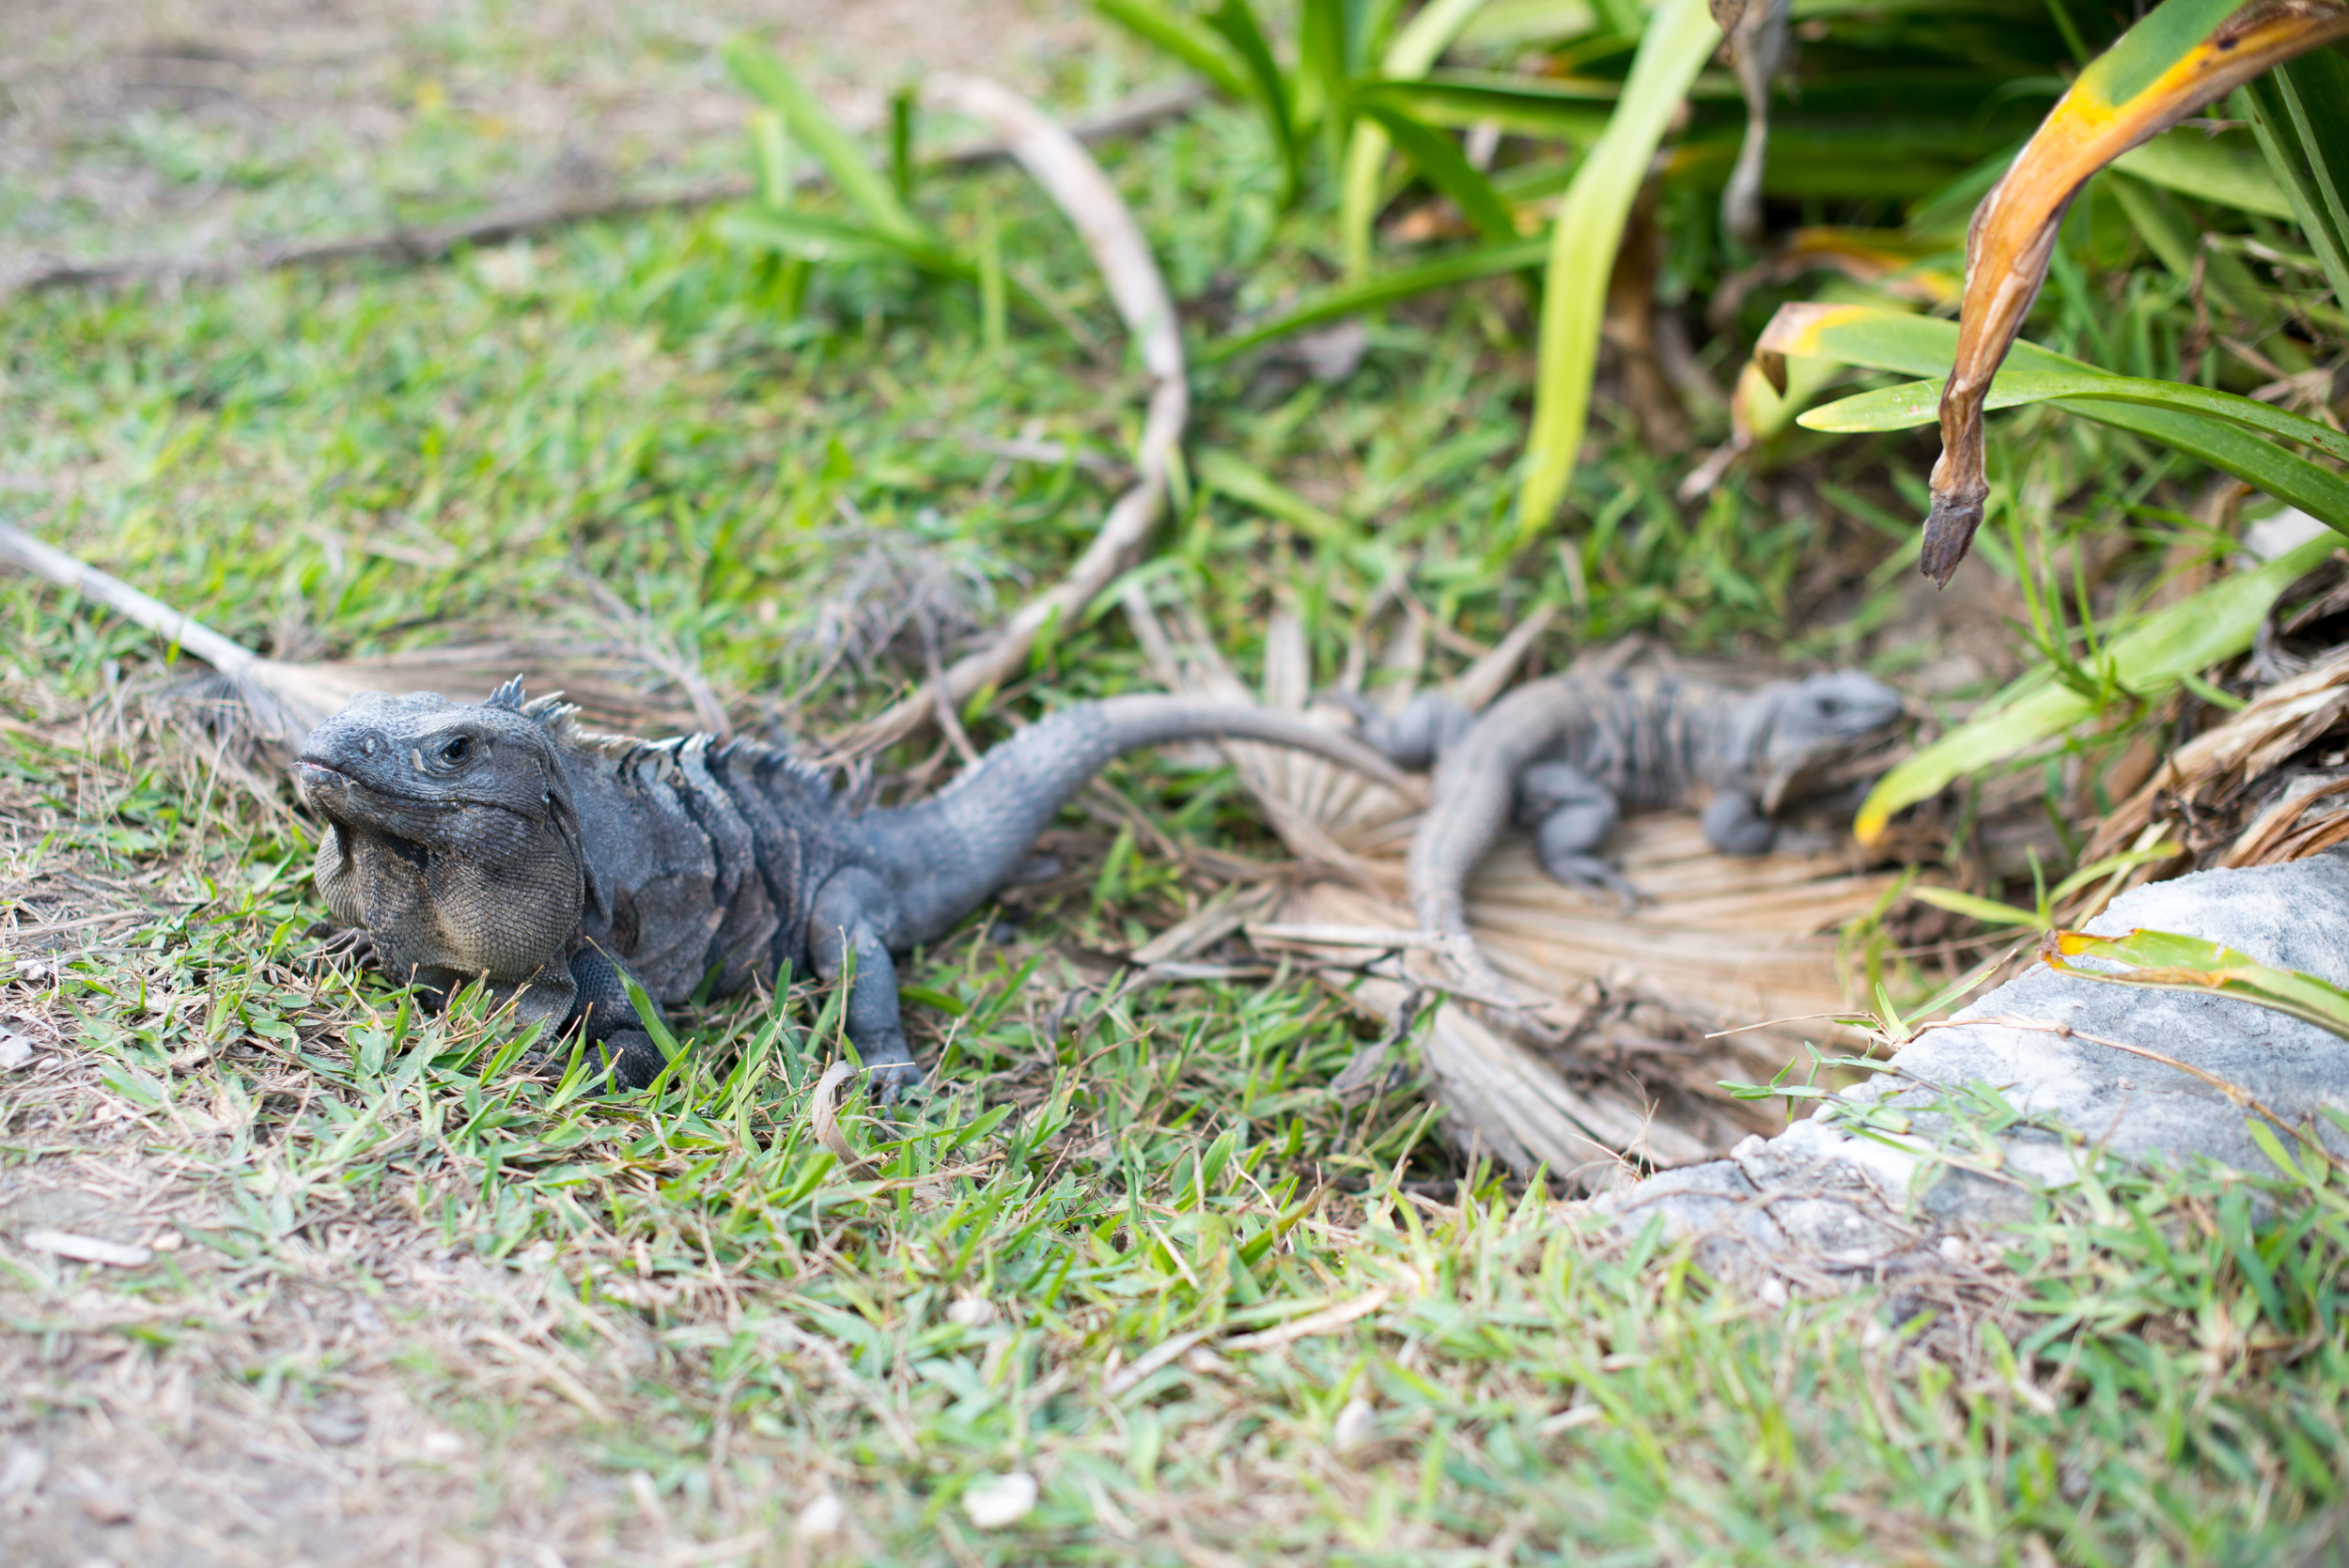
(1565, 755)
(498, 841)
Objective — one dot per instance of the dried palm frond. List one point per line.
(1724, 943)
(2257, 790)
(254, 704)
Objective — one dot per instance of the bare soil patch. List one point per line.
(180, 126)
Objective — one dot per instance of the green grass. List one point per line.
(606, 1327)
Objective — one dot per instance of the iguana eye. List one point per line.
(454, 750)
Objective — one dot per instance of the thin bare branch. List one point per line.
(537, 215)
(1076, 182)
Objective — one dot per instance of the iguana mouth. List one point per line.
(312, 773)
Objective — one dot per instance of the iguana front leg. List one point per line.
(1734, 825)
(1571, 814)
(603, 1011)
(853, 910)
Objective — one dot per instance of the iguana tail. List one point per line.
(1475, 789)
(967, 840)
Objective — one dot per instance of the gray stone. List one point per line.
(1820, 1197)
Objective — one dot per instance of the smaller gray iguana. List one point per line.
(498, 841)
(1565, 755)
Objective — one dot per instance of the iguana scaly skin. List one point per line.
(1566, 755)
(498, 842)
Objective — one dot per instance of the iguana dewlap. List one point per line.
(497, 841)
(1566, 755)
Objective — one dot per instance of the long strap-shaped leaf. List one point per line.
(2181, 56)
(1680, 38)
(1916, 345)
(1417, 47)
(2168, 961)
(1898, 407)
(2300, 113)
(1380, 289)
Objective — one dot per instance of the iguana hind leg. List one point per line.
(1416, 735)
(853, 908)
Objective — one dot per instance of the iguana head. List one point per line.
(450, 833)
(1808, 726)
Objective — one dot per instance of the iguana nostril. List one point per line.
(368, 745)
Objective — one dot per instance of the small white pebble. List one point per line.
(821, 1519)
(1003, 1501)
(87, 1248)
(1356, 1424)
(443, 1445)
(1772, 1292)
(1953, 1249)
(1874, 1336)
(20, 1475)
(971, 1311)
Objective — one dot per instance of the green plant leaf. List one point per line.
(1988, 910)
(1179, 36)
(1381, 288)
(2148, 659)
(2227, 282)
(762, 74)
(1414, 51)
(1529, 105)
(1244, 482)
(1899, 408)
(1448, 170)
(816, 239)
(2300, 113)
(1236, 20)
(770, 149)
(1680, 38)
(2167, 961)
(1915, 345)
(2195, 165)
(1322, 61)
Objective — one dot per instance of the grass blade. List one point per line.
(2300, 113)
(1680, 38)
(1414, 51)
(1322, 65)
(1236, 20)
(2209, 169)
(1485, 261)
(816, 239)
(766, 76)
(1531, 105)
(1448, 169)
(2165, 960)
(1179, 36)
